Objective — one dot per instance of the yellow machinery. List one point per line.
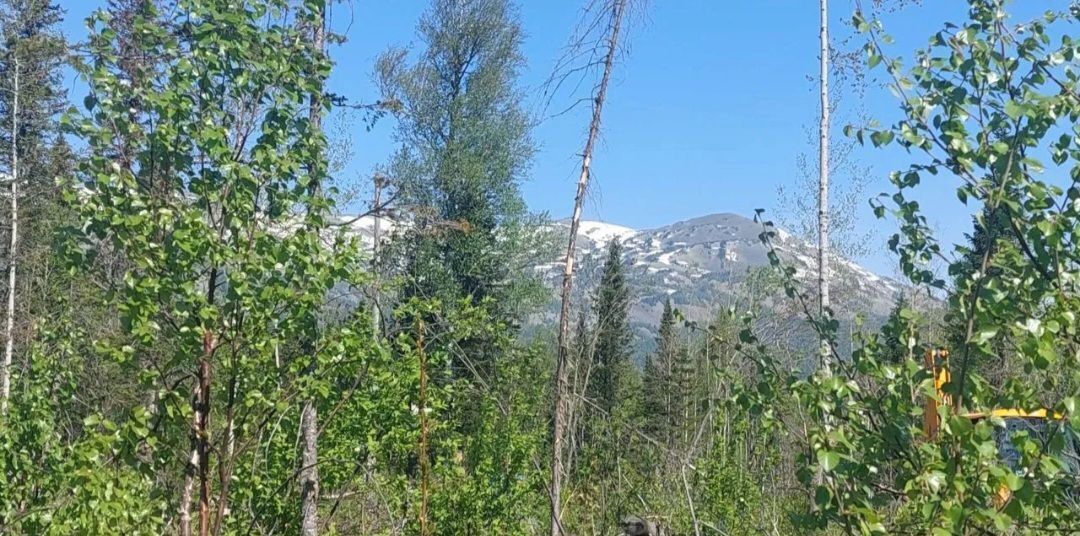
(1035, 421)
(937, 361)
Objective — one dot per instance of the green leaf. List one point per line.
(881, 138)
(1013, 481)
(828, 460)
(1013, 109)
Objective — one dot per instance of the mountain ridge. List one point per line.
(700, 264)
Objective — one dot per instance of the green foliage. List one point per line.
(667, 391)
(58, 474)
(614, 340)
(896, 334)
(477, 479)
(465, 149)
(211, 207)
(31, 43)
(201, 208)
(990, 237)
(734, 483)
(982, 104)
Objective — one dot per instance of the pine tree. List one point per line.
(611, 356)
(682, 395)
(659, 397)
(893, 333)
(991, 234)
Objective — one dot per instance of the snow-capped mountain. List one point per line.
(703, 263)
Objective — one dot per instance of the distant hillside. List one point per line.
(700, 264)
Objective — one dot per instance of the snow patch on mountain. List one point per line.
(602, 232)
(700, 264)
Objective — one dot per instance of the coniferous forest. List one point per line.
(211, 327)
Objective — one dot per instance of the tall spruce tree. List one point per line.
(30, 34)
(658, 382)
(991, 235)
(894, 333)
(614, 340)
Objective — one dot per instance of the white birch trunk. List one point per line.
(9, 329)
(823, 179)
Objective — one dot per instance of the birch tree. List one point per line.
(309, 416)
(221, 224)
(13, 178)
(823, 176)
(31, 54)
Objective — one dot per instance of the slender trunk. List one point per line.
(690, 501)
(618, 8)
(204, 436)
(376, 236)
(823, 207)
(226, 462)
(9, 329)
(309, 418)
(192, 466)
(425, 465)
(309, 479)
(198, 466)
(823, 170)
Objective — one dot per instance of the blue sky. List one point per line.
(706, 114)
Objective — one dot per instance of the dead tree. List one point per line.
(616, 13)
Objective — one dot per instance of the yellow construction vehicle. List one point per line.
(937, 361)
(1040, 424)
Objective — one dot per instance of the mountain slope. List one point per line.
(701, 264)
(704, 265)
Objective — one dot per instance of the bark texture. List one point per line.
(618, 10)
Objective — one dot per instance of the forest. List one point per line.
(210, 327)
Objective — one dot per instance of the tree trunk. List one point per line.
(823, 170)
(204, 437)
(823, 208)
(198, 466)
(618, 8)
(425, 463)
(226, 461)
(192, 467)
(376, 235)
(309, 419)
(309, 473)
(9, 329)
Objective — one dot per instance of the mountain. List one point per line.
(705, 265)
(702, 265)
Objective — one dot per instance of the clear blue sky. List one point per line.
(706, 114)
